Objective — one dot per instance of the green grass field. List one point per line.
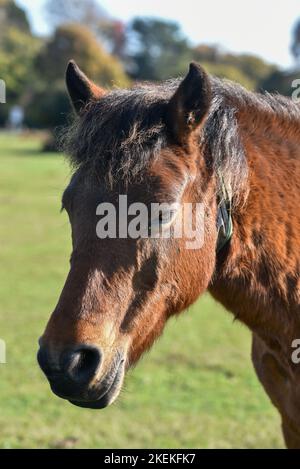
(196, 388)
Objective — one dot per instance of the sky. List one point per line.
(262, 27)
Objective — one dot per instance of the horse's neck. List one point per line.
(258, 273)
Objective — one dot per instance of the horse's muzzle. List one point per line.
(73, 375)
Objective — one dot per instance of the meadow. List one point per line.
(196, 388)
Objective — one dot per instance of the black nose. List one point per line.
(78, 365)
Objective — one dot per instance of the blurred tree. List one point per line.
(18, 48)
(207, 53)
(230, 72)
(114, 35)
(17, 54)
(280, 81)
(254, 67)
(247, 69)
(158, 49)
(48, 109)
(49, 106)
(72, 41)
(12, 15)
(109, 32)
(89, 13)
(295, 48)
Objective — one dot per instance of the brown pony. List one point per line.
(199, 140)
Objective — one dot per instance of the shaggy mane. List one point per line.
(122, 132)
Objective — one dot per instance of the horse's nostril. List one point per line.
(82, 363)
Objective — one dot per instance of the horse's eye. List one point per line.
(166, 217)
(164, 220)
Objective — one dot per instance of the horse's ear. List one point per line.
(189, 105)
(80, 88)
